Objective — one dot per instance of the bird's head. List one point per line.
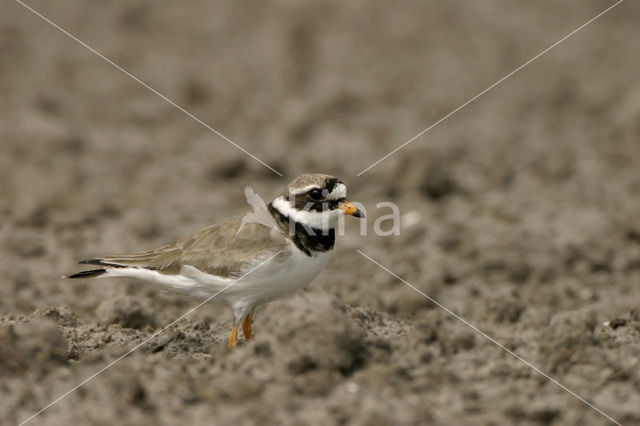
(316, 200)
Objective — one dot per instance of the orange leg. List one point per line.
(233, 337)
(246, 327)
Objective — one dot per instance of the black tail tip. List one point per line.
(87, 274)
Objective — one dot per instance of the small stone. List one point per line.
(617, 322)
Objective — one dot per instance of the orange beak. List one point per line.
(351, 210)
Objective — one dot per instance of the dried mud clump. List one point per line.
(125, 311)
(33, 345)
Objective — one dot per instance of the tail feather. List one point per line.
(88, 274)
(102, 262)
(106, 262)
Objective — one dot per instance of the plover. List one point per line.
(284, 244)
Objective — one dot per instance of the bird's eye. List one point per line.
(315, 194)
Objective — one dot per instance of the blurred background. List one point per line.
(520, 212)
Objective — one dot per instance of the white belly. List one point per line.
(276, 278)
(279, 276)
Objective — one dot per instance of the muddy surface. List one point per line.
(520, 213)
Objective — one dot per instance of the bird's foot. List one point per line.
(246, 327)
(232, 341)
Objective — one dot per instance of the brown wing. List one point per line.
(219, 249)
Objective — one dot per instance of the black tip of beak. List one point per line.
(358, 213)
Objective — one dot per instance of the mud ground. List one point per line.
(520, 213)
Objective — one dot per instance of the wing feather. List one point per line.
(223, 249)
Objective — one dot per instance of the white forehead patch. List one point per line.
(339, 191)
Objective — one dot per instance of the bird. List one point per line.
(249, 259)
